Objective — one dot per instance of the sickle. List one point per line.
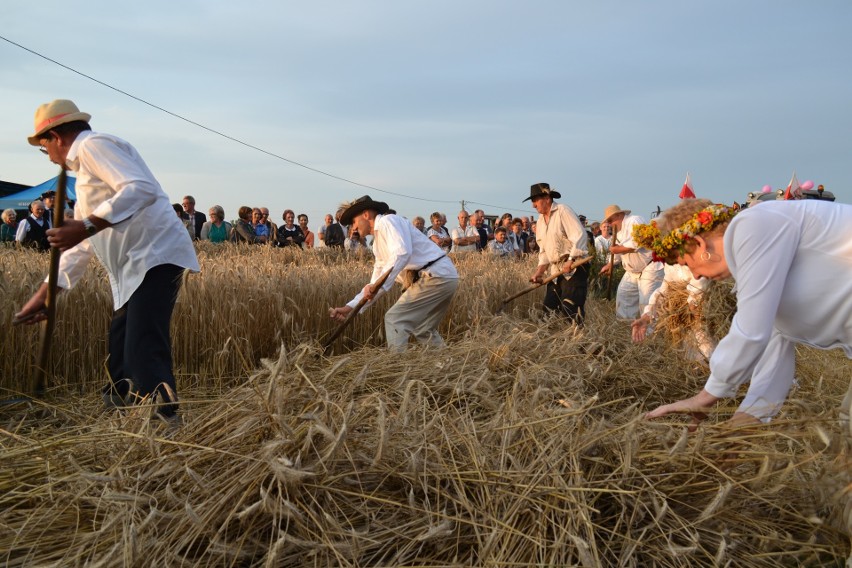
(351, 315)
(547, 280)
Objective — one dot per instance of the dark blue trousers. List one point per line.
(140, 346)
(568, 295)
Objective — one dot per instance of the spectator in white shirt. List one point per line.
(465, 236)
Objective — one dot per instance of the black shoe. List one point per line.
(112, 397)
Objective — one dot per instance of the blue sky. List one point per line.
(609, 102)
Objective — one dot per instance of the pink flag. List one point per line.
(794, 190)
(686, 191)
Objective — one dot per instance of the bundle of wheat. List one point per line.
(708, 317)
(517, 445)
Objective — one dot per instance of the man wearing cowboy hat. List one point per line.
(642, 276)
(561, 240)
(398, 246)
(123, 216)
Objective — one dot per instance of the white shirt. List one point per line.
(398, 245)
(632, 261)
(114, 183)
(792, 262)
(560, 235)
(459, 233)
(601, 244)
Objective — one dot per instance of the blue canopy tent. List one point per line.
(22, 199)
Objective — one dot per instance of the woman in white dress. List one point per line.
(792, 264)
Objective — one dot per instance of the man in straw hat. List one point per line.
(123, 216)
(642, 275)
(398, 246)
(561, 240)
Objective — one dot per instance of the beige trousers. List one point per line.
(419, 312)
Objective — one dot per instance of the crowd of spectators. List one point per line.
(505, 237)
(252, 226)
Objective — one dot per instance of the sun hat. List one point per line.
(52, 114)
(612, 211)
(540, 189)
(350, 210)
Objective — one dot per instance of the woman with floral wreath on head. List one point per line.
(792, 263)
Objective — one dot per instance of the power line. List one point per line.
(214, 131)
(234, 139)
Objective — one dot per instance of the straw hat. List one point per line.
(52, 114)
(613, 210)
(540, 189)
(363, 203)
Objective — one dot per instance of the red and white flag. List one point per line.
(686, 191)
(794, 190)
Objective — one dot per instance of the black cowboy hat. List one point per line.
(350, 210)
(542, 189)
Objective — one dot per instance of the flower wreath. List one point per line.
(667, 248)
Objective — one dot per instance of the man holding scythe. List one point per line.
(405, 254)
(642, 273)
(562, 242)
(124, 217)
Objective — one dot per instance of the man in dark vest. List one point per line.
(32, 232)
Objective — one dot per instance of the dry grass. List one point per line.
(711, 315)
(518, 445)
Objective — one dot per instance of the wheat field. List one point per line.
(520, 444)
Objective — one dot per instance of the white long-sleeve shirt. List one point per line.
(637, 260)
(399, 245)
(792, 262)
(560, 235)
(115, 184)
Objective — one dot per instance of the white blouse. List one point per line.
(792, 262)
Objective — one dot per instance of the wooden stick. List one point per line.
(611, 263)
(547, 280)
(361, 303)
(46, 332)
